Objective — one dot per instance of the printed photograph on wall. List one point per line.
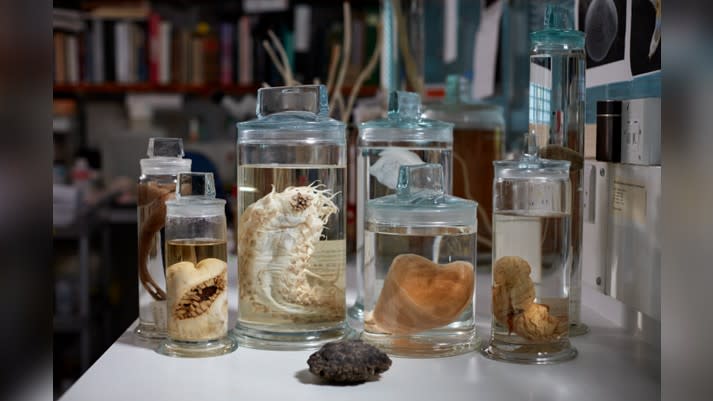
(606, 30)
(645, 48)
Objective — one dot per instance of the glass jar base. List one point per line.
(262, 339)
(531, 354)
(578, 329)
(202, 349)
(149, 332)
(423, 346)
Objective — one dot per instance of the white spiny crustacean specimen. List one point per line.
(276, 240)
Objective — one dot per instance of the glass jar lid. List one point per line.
(558, 30)
(405, 123)
(195, 196)
(421, 201)
(292, 113)
(165, 157)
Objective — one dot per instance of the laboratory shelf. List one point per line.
(613, 364)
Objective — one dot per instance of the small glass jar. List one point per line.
(291, 233)
(419, 272)
(157, 184)
(403, 138)
(531, 261)
(196, 270)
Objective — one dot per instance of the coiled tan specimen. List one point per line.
(514, 302)
(420, 295)
(277, 236)
(197, 300)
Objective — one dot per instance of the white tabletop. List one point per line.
(611, 365)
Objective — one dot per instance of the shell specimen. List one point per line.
(277, 236)
(420, 295)
(350, 361)
(514, 302)
(197, 299)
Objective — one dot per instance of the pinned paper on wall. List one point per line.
(303, 14)
(485, 53)
(606, 25)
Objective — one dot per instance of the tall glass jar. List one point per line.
(291, 227)
(403, 138)
(196, 270)
(530, 279)
(419, 272)
(157, 184)
(557, 94)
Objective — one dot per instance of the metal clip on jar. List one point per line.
(403, 138)
(531, 261)
(419, 272)
(291, 227)
(157, 184)
(197, 270)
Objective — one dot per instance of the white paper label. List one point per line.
(303, 15)
(486, 51)
(450, 31)
(629, 202)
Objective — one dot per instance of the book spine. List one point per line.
(72, 58)
(246, 52)
(109, 51)
(164, 76)
(97, 50)
(122, 56)
(154, 40)
(59, 58)
(226, 54)
(197, 61)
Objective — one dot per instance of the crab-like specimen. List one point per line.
(197, 300)
(277, 236)
(514, 302)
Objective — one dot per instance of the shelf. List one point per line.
(204, 90)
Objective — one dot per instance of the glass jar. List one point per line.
(557, 95)
(531, 260)
(419, 271)
(291, 230)
(157, 184)
(403, 138)
(196, 270)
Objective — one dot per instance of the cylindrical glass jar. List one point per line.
(419, 272)
(196, 270)
(291, 230)
(531, 262)
(157, 184)
(403, 138)
(557, 95)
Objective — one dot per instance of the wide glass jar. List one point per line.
(196, 270)
(403, 138)
(157, 184)
(532, 211)
(419, 271)
(291, 232)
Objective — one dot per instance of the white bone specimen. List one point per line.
(277, 236)
(197, 300)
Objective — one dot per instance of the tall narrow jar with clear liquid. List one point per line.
(557, 94)
(196, 271)
(531, 271)
(291, 227)
(157, 184)
(403, 138)
(419, 271)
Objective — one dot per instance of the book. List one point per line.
(154, 46)
(97, 50)
(59, 57)
(164, 60)
(245, 46)
(122, 51)
(109, 54)
(196, 57)
(226, 54)
(71, 58)
(211, 58)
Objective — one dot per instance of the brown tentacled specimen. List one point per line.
(514, 302)
(153, 220)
